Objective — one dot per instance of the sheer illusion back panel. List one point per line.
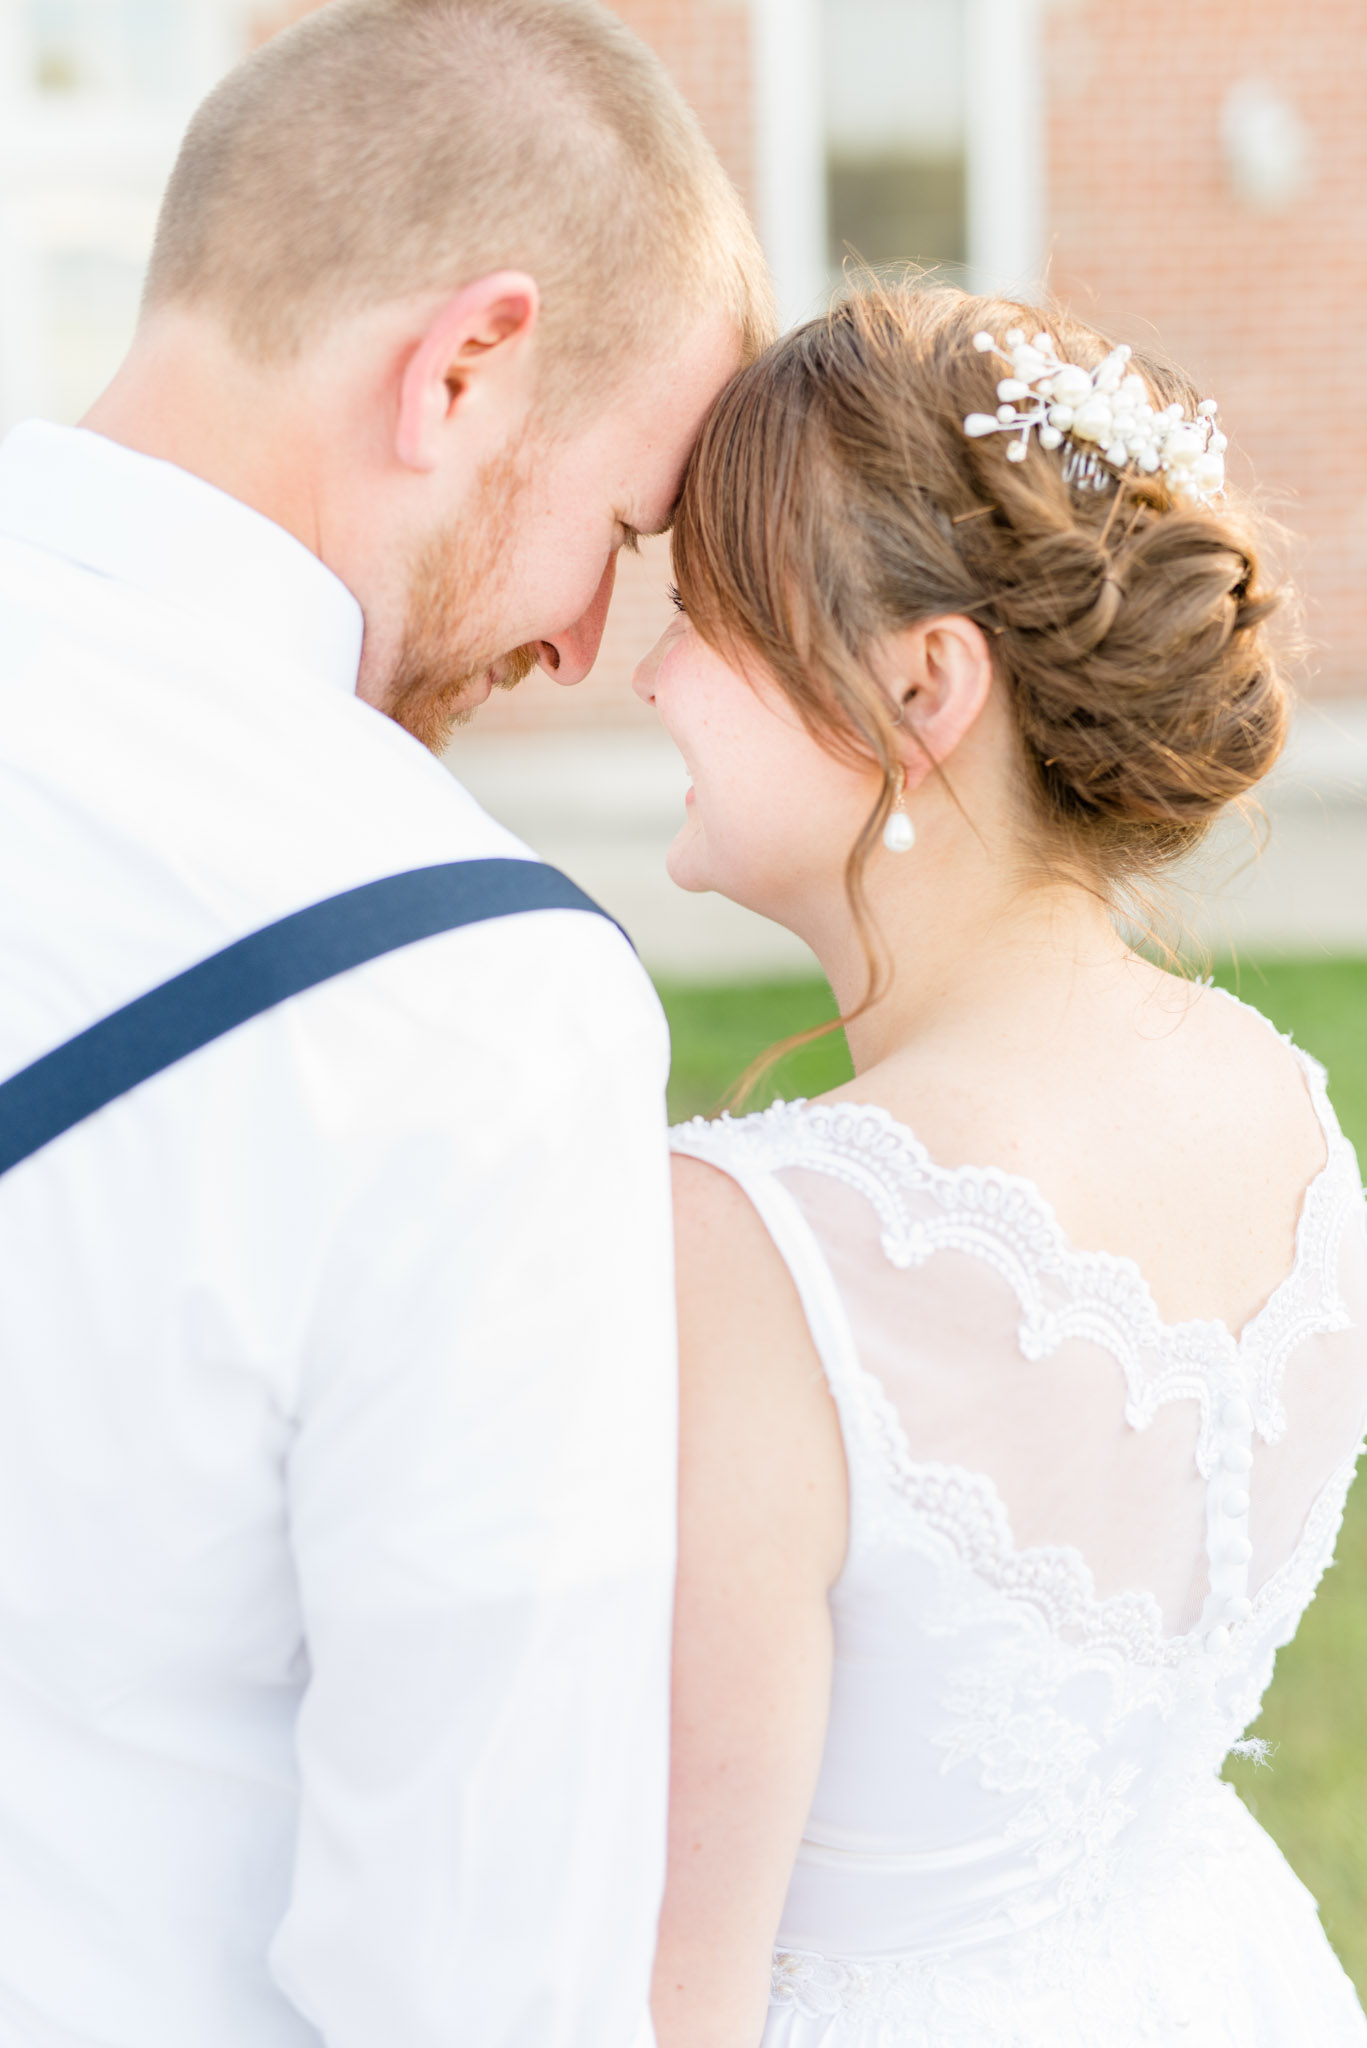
(1077, 1537)
(1177, 1460)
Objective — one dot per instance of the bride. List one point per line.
(1024, 1376)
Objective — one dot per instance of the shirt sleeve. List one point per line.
(481, 1505)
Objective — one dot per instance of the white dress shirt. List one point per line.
(336, 1364)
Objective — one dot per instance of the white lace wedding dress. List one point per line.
(1053, 1623)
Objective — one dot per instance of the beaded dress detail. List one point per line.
(1052, 1625)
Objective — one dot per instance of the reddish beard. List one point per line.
(459, 575)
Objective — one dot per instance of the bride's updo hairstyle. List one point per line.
(834, 498)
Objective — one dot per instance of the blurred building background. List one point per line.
(1191, 173)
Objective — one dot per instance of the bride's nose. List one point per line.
(648, 668)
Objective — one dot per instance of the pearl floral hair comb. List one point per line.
(1105, 416)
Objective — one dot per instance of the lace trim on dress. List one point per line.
(1004, 1220)
(965, 1510)
(1283, 1598)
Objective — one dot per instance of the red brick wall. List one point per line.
(706, 47)
(1268, 310)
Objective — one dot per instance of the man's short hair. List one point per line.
(380, 149)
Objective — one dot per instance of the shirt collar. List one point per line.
(185, 543)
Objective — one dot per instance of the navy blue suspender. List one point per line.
(254, 974)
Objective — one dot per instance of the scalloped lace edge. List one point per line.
(1055, 1580)
(1006, 1220)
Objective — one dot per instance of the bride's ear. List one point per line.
(940, 672)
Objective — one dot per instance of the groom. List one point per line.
(336, 1401)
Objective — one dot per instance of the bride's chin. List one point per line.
(683, 866)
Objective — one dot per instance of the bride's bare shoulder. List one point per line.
(1254, 1077)
(728, 1266)
(758, 1424)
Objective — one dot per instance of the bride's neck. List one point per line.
(977, 954)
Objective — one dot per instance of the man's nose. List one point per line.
(572, 653)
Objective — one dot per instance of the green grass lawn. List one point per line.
(1312, 1796)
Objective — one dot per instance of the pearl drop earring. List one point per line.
(899, 834)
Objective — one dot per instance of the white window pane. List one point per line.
(129, 50)
(894, 77)
(90, 300)
(895, 130)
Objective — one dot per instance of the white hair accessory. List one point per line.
(1105, 415)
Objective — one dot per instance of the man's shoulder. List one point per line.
(515, 1014)
(420, 814)
(183, 804)
(561, 979)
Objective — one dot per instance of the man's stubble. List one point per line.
(456, 583)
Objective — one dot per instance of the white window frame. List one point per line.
(790, 152)
(1006, 200)
(1006, 142)
(82, 174)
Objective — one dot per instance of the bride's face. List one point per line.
(770, 815)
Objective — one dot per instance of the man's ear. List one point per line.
(477, 344)
(941, 673)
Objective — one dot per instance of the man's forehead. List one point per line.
(684, 371)
(661, 417)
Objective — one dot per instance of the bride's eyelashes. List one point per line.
(675, 599)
